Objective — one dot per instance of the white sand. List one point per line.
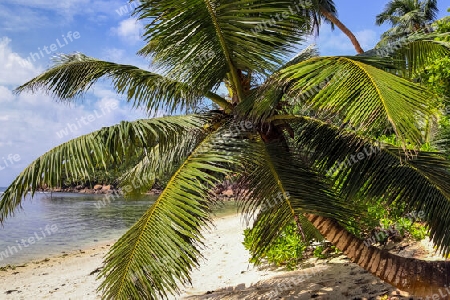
(225, 274)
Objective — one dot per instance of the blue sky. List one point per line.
(31, 32)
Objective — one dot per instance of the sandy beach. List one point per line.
(224, 274)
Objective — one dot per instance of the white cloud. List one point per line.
(15, 69)
(29, 123)
(8, 143)
(129, 30)
(5, 94)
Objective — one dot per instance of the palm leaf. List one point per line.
(442, 140)
(316, 16)
(263, 101)
(406, 14)
(158, 162)
(418, 54)
(282, 187)
(364, 96)
(160, 250)
(81, 156)
(204, 40)
(360, 168)
(73, 75)
(411, 54)
(307, 53)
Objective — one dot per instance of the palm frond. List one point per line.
(73, 75)
(158, 162)
(282, 187)
(161, 249)
(310, 232)
(203, 40)
(418, 54)
(272, 90)
(362, 95)
(307, 53)
(411, 54)
(360, 168)
(81, 156)
(316, 16)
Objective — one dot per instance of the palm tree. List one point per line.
(407, 16)
(276, 153)
(326, 9)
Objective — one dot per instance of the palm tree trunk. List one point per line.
(417, 277)
(343, 28)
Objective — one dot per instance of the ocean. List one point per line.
(50, 225)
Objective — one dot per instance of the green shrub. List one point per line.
(318, 252)
(383, 216)
(287, 250)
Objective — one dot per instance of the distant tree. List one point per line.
(326, 10)
(406, 16)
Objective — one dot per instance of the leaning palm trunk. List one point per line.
(417, 277)
(344, 29)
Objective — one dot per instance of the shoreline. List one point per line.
(65, 276)
(224, 273)
(222, 192)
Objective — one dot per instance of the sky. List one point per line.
(32, 32)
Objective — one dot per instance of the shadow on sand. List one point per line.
(333, 281)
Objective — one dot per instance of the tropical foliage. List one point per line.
(437, 73)
(301, 132)
(298, 241)
(287, 250)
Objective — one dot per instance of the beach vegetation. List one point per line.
(286, 251)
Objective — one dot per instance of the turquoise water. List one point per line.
(51, 224)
